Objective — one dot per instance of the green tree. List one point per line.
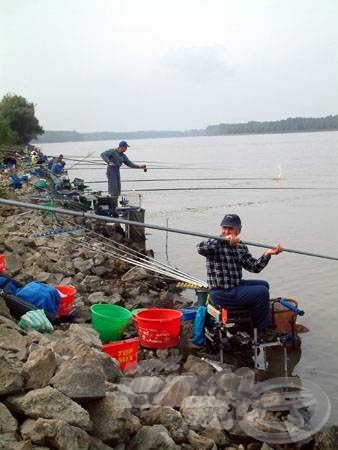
(5, 131)
(20, 117)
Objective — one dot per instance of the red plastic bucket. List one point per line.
(2, 263)
(66, 304)
(124, 351)
(158, 327)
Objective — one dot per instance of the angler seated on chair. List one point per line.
(55, 173)
(225, 259)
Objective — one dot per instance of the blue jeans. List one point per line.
(253, 294)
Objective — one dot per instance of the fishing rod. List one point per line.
(188, 179)
(158, 168)
(153, 264)
(144, 265)
(82, 159)
(234, 188)
(145, 225)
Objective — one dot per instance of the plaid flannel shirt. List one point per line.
(225, 263)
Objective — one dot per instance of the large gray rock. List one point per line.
(175, 390)
(14, 244)
(92, 283)
(201, 411)
(13, 264)
(6, 443)
(72, 347)
(83, 266)
(327, 439)
(49, 403)
(7, 322)
(135, 274)
(199, 442)
(10, 378)
(11, 339)
(162, 415)
(152, 438)
(80, 379)
(86, 333)
(145, 385)
(4, 311)
(42, 276)
(39, 368)
(97, 297)
(110, 366)
(218, 436)
(59, 435)
(112, 420)
(96, 444)
(195, 364)
(99, 270)
(55, 277)
(26, 428)
(8, 423)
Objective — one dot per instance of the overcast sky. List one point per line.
(127, 65)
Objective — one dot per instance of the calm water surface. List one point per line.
(299, 219)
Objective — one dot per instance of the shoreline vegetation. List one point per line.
(290, 125)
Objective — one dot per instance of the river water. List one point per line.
(299, 219)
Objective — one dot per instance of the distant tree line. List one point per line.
(289, 125)
(296, 124)
(74, 136)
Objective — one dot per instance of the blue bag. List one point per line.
(41, 295)
(8, 285)
(16, 182)
(198, 337)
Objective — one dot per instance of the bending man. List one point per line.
(225, 260)
(114, 159)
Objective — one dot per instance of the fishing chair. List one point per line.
(237, 316)
(232, 330)
(228, 329)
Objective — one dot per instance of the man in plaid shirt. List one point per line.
(225, 259)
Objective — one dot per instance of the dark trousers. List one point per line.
(252, 294)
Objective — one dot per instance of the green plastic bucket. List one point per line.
(110, 321)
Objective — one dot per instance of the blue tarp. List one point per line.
(38, 294)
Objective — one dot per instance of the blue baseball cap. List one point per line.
(123, 144)
(231, 220)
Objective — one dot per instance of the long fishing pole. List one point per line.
(82, 159)
(157, 168)
(142, 264)
(153, 264)
(189, 179)
(145, 225)
(234, 188)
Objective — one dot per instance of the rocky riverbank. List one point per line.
(59, 391)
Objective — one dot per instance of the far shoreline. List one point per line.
(37, 142)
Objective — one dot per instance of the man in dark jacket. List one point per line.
(114, 159)
(225, 259)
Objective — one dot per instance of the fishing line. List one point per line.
(154, 265)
